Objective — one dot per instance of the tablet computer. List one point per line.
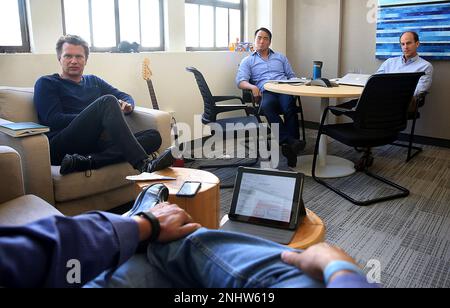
(267, 203)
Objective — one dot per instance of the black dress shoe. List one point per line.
(297, 146)
(289, 153)
(165, 160)
(75, 163)
(149, 198)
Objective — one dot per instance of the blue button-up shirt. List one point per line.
(416, 64)
(258, 71)
(37, 255)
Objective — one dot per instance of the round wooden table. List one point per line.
(205, 206)
(311, 231)
(327, 166)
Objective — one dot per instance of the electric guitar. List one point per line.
(147, 75)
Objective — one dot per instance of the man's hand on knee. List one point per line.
(314, 260)
(126, 108)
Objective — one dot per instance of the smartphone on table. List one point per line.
(189, 189)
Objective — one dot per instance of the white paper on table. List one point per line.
(149, 177)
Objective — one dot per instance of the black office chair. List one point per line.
(212, 110)
(247, 96)
(413, 115)
(379, 118)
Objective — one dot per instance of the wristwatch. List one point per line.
(156, 227)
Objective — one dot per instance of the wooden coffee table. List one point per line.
(205, 206)
(311, 231)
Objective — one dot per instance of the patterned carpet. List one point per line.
(410, 237)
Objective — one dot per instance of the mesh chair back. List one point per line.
(210, 112)
(385, 101)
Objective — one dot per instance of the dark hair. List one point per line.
(73, 40)
(264, 30)
(416, 36)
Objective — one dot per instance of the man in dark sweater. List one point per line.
(86, 116)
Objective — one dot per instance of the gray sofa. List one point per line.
(73, 194)
(16, 208)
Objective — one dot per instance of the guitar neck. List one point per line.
(151, 89)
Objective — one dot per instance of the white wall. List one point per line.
(279, 26)
(174, 20)
(45, 20)
(270, 14)
(313, 35)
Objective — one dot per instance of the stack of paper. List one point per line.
(149, 177)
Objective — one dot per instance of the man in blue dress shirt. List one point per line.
(99, 250)
(86, 117)
(409, 62)
(254, 72)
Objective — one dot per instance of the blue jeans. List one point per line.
(273, 105)
(209, 259)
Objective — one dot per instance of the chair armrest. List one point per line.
(420, 99)
(229, 108)
(34, 152)
(343, 110)
(219, 99)
(247, 96)
(12, 180)
(144, 119)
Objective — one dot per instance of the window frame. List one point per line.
(215, 4)
(117, 23)
(25, 47)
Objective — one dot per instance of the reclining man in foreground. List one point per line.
(179, 254)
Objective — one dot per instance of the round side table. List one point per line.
(311, 231)
(205, 206)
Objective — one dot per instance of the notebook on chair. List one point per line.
(267, 204)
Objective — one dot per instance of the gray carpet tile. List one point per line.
(410, 237)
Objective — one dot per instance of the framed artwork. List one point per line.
(430, 19)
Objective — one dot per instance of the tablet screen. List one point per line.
(266, 197)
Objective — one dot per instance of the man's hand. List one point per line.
(126, 108)
(175, 222)
(314, 260)
(256, 93)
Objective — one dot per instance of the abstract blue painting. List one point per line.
(431, 19)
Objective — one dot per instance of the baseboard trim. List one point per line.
(443, 143)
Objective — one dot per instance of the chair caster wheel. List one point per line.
(360, 165)
(364, 163)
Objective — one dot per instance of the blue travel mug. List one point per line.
(317, 69)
